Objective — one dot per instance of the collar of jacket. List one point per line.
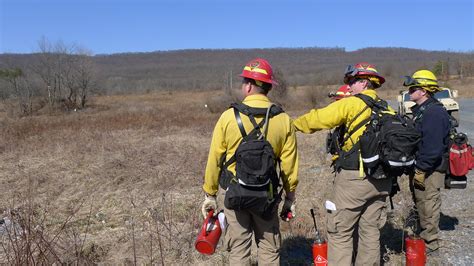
(420, 108)
(256, 97)
(370, 93)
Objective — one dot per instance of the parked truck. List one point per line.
(446, 96)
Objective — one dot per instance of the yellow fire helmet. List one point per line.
(424, 79)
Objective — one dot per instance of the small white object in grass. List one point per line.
(205, 105)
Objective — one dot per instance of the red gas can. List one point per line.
(415, 251)
(320, 253)
(209, 235)
(320, 247)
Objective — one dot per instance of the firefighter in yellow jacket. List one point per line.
(243, 225)
(357, 201)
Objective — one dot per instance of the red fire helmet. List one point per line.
(363, 70)
(259, 69)
(342, 92)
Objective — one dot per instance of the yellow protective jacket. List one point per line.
(227, 137)
(335, 114)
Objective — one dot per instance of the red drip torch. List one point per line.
(415, 252)
(209, 235)
(320, 247)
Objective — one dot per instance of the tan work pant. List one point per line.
(242, 225)
(428, 205)
(359, 201)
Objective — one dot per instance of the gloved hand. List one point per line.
(210, 203)
(289, 207)
(419, 179)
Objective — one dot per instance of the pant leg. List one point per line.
(351, 195)
(340, 227)
(368, 251)
(428, 204)
(268, 239)
(238, 236)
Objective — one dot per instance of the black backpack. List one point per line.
(254, 187)
(389, 143)
(334, 140)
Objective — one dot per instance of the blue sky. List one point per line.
(106, 26)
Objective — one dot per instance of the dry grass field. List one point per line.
(120, 181)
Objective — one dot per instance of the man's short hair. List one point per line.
(263, 87)
(370, 85)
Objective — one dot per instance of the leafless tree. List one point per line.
(20, 87)
(85, 76)
(51, 64)
(66, 71)
(463, 68)
(78, 78)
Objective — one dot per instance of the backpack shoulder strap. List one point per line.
(250, 112)
(377, 104)
(275, 110)
(255, 111)
(370, 103)
(244, 109)
(362, 123)
(239, 122)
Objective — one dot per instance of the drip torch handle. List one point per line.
(209, 221)
(314, 221)
(210, 213)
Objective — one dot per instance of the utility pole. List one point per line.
(231, 88)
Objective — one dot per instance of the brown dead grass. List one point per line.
(121, 156)
(136, 162)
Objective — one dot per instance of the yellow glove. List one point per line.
(419, 179)
(210, 203)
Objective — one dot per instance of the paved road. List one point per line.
(466, 115)
(458, 245)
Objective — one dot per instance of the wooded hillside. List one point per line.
(212, 69)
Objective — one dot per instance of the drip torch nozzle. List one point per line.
(319, 239)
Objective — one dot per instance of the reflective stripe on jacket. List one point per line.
(226, 138)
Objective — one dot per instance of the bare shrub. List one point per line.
(318, 96)
(221, 102)
(161, 232)
(30, 235)
(279, 92)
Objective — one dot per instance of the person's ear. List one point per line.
(366, 83)
(248, 87)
